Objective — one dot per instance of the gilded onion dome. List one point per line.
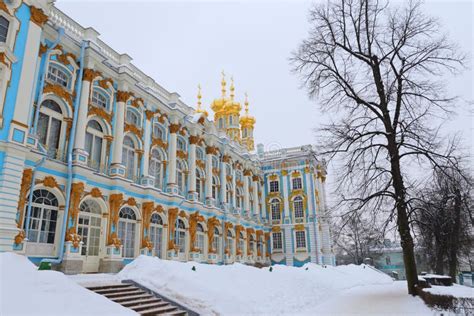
(232, 106)
(247, 120)
(199, 108)
(218, 104)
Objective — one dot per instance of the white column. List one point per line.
(209, 151)
(256, 208)
(146, 179)
(246, 192)
(172, 185)
(192, 167)
(117, 168)
(284, 186)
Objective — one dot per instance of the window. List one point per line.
(297, 185)
(180, 236)
(275, 209)
(99, 99)
(229, 194)
(214, 187)
(49, 128)
(4, 23)
(274, 186)
(158, 131)
(93, 145)
(199, 154)
(251, 244)
(239, 198)
(58, 76)
(216, 241)
(89, 227)
(231, 120)
(128, 157)
(133, 118)
(277, 241)
(126, 231)
(44, 216)
(181, 144)
(244, 133)
(230, 243)
(199, 242)
(156, 233)
(300, 239)
(221, 123)
(298, 207)
(260, 247)
(241, 243)
(181, 176)
(156, 168)
(388, 261)
(199, 184)
(215, 163)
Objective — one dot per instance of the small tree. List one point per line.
(376, 66)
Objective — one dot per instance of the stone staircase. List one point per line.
(140, 299)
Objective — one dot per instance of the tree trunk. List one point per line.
(439, 262)
(453, 251)
(402, 217)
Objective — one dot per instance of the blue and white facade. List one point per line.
(99, 163)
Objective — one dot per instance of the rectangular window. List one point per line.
(298, 206)
(58, 76)
(274, 186)
(300, 239)
(99, 99)
(277, 241)
(297, 184)
(3, 29)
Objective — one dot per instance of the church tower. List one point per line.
(232, 110)
(218, 107)
(247, 124)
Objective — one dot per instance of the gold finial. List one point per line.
(199, 97)
(246, 103)
(223, 84)
(232, 88)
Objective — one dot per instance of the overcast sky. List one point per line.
(185, 43)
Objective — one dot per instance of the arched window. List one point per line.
(199, 243)
(228, 169)
(127, 229)
(260, 247)
(239, 198)
(199, 184)
(241, 243)
(216, 241)
(251, 244)
(180, 236)
(230, 243)
(57, 75)
(200, 154)
(181, 177)
(156, 168)
(99, 99)
(43, 219)
(251, 200)
(49, 128)
(94, 141)
(244, 133)
(4, 24)
(133, 118)
(231, 120)
(215, 184)
(215, 163)
(181, 144)
(156, 233)
(128, 157)
(274, 187)
(229, 195)
(158, 131)
(298, 207)
(88, 227)
(275, 209)
(221, 122)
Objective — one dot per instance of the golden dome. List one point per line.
(231, 106)
(218, 104)
(247, 120)
(199, 109)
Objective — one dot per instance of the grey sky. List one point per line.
(183, 43)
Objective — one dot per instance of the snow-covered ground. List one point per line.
(455, 290)
(242, 290)
(26, 291)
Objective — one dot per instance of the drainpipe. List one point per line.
(43, 77)
(69, 160)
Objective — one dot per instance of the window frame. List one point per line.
(300, 240)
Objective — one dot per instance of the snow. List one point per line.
(455, 290)
(243, 290)
(26, 291)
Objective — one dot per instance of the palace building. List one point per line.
(99, 163)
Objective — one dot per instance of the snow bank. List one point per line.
(243, 290)
(26, 291)
(455, 290)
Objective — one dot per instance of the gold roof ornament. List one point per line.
(247, 120)
(218, 104)
(231, 106)
(199, 109)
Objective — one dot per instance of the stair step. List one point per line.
(131, 304)
(159, 310)
(142, 307)
(102, 287)
(122, 294)
(126, 299)
(177, 313)
(110, 291)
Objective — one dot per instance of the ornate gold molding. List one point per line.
(38, 17)
(158, 142)
(211, 150)
(59, 91)
(123, 96)
(226, 159)
(115, 202)
(193, 140)
(174, 128)
(181, 154)
(90, 74)
(133, 129)
(172, 215)
(211, 224)
(194, 219)
(100, 112)
(104, 83)
(25, 186)
(201, 164)
(136, 101)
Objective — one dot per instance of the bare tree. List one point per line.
(377, 66)
(443, 219)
